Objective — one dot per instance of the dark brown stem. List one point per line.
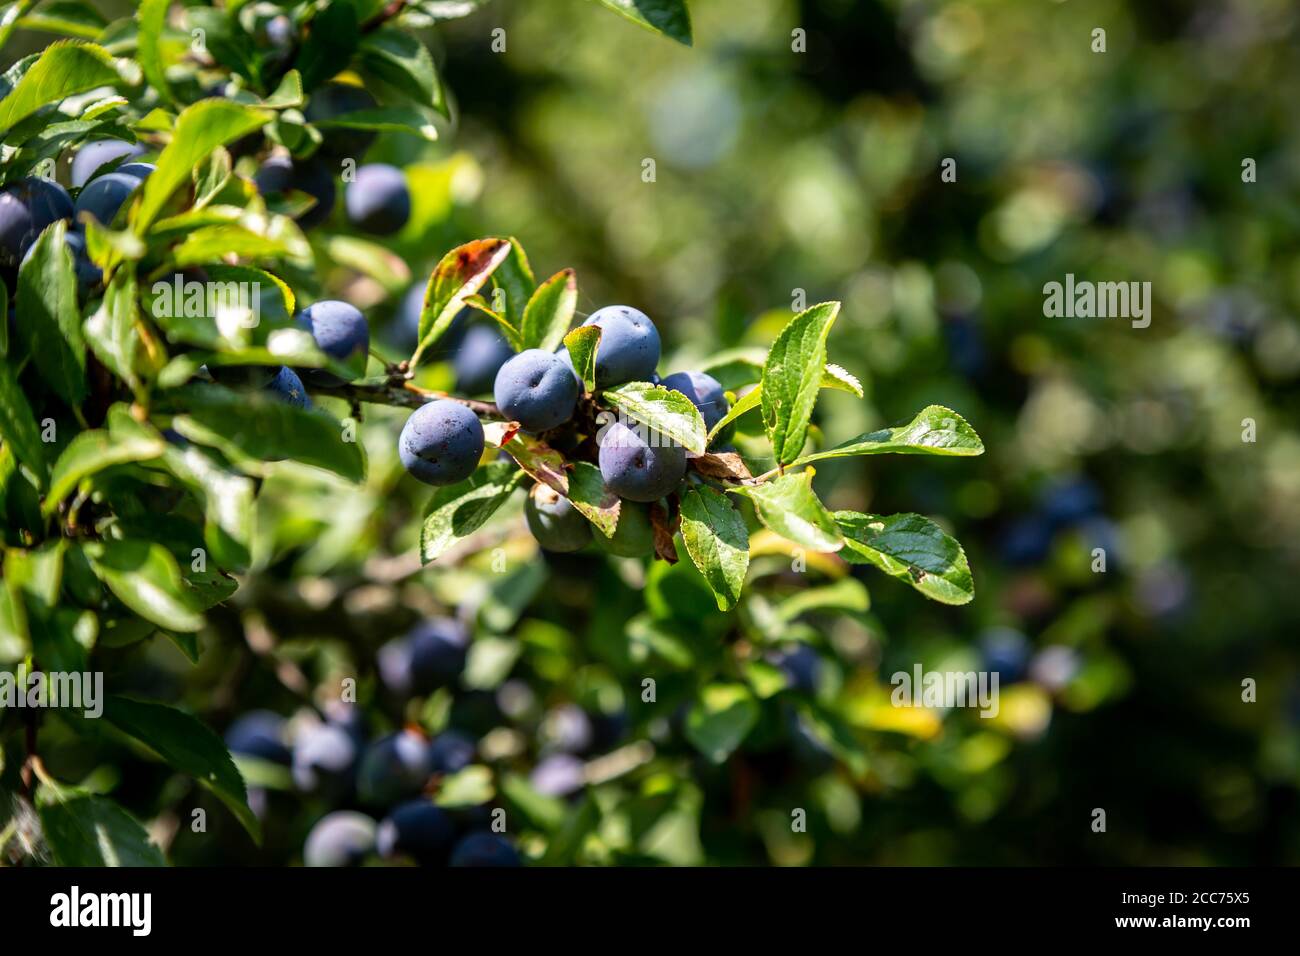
(403, 395)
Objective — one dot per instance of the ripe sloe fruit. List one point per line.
(441, 443)
(638, 469)
(27, 208)
(431, 656)
(801, 667)
(484, 849)
(1006, 653)
(341, 332)
(105, 195)
(325, 760)
(140, 171)
(97, 154)
(451, 751)
(478, 359)
(417, 829)
(537, 390)
(378, 201)
(705, 393)
(259, 733)
(629, 345)
(558, 775)
(566, 729)
(342, 838)
(393, 768)
(288, 388)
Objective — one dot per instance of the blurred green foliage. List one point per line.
(820, 171)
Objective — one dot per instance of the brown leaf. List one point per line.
(498, 434)
(665, 526)
(724, 465)
(540, 460)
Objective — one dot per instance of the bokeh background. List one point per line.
(819, 171)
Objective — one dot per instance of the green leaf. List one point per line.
(18, 427)
(4, 326)
(225, 41)
(841, 379)
(186, 745)
(200, 128)
(228, 502)
(669, 17)
(400, 59)
(934, 431)
(469, 787)
(274, 237)
(788, 506)
(109, 247)
(717, 541)
(663, 410)
(457, 511)
(211, 177)
(92, 452)
(459, 275)
(735, 368)
(537, 810)
(145, 578)
(747, 402)
(53, 139)
(333, 39)
(385, 119)
(792, 377)
(846, 596)
(48, 318)
(63, 69)
(582, 344)
(152, 17)
(111, 329)
(515, 278)
(12, 16)
(288, 95)
(721, 719)
(562, 849)
(371, 259)
(911, 548)
(589, 495)
(67, 18)
(258, 426)
(94, 831)
(549, 312)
